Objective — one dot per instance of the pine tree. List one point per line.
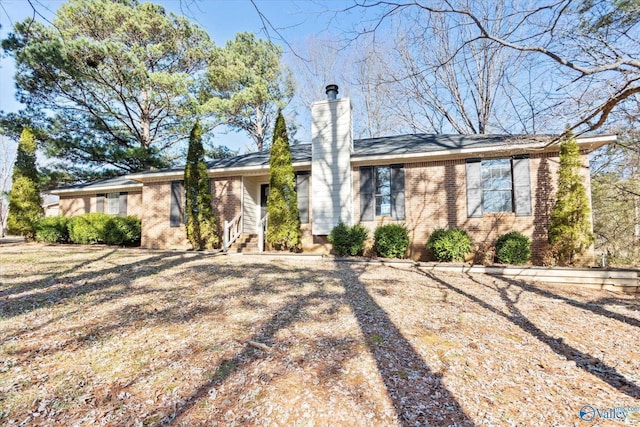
(201, 222)
(570, 231)
(25, 202)
(283, 224)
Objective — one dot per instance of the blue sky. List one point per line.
(295, 20)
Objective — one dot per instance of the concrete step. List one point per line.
(247, 243)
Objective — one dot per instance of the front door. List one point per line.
(264, 193)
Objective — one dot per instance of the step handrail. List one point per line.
(232, 230)
(262, 232)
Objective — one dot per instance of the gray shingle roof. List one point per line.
(370, 147)
(423, 143)
(400, 144)
(299, 153)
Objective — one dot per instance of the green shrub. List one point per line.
(392, 240)
(359, 234)
(449, 245)
(52, 229)
(123, 231)
(88, 229)
(348, 240)
(92, 228)
(513, 248)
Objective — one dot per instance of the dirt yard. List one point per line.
(106, 336)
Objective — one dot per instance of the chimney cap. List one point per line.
(332, 91)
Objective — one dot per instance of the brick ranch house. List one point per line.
(485, 184)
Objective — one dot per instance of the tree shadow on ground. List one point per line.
(596, 307)
(88, 282)
(51, 279)
(417, 393)
(129, 315)
(285, 316)
(584, 361)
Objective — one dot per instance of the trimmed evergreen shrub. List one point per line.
(88, 229)
(570, 226)
(123, 231)
(283, 225)
(52, 229)
(201, 222)
(348, 240)
(392, 240)
(25, 203)
(513, 248)
(449, 245)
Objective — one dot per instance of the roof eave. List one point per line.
(586, 143)
(213, 172)
(94, 190)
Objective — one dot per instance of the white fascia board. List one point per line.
(250, 170)
(93, 190)
(594, 142)
(217, 172)
(445, 154)
(589, 143)
(604, 139)
(155, 176)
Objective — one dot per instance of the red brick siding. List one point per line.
(77, 205)
(157, 232)
(435, 197)
(134, 204)
(227, 199)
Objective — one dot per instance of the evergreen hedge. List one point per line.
(93, 228)
(123, 231)
(53, 229)
(88, 229)
(392, 240)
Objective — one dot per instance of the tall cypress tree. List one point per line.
(201, 222)
(283, 226)
(570, 231)
(25, 202)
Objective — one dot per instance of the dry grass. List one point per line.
(96, 335)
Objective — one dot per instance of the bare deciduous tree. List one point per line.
(361, 73)
(449, 85)
(593, 45)
(7, 159)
